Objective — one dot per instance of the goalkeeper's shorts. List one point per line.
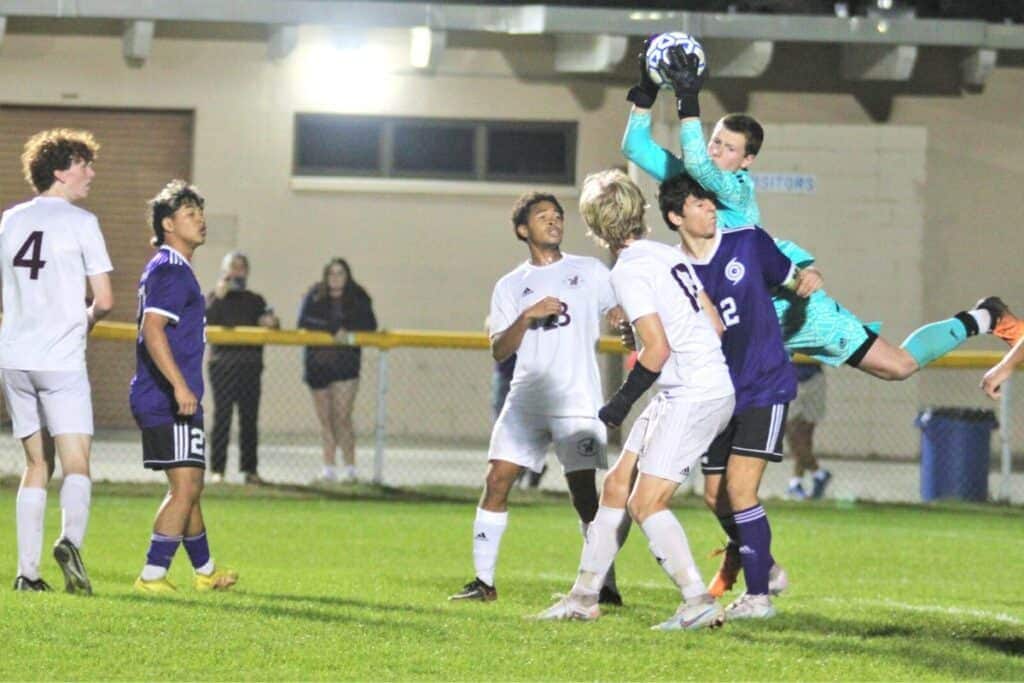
(820, 327)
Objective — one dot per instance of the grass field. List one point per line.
(348, 587)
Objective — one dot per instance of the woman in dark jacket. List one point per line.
(338, 305)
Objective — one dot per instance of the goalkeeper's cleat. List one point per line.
(1005, 324)
(76, 579)
(725, 578)
(155, 587)
(702, 612)
(821, 479)
(476, 590)
(220, 579)
(749, 606)
(778, 581)
(23, 583)
(609, 596)
(570, 608)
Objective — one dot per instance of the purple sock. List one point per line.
(729, 526)
(162, 549)
(198, 549)
(755, 551)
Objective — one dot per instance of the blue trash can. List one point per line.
(955, 452)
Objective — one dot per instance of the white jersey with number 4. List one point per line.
(651, 277)
(48, 247)
(556, 364)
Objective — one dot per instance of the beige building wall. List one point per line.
(912, 219)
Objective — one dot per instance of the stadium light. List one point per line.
(353, 70)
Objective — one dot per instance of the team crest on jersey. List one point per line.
(527, 292)
(573, 281)
(587, 447)
(734, 271)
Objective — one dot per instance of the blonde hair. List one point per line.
(613, 207)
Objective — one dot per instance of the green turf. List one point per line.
(355, 589)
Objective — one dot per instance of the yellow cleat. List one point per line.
(221, 579)
(156, 586)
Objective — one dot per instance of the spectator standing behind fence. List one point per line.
(806, 411)
(235, 371)
(338, 305)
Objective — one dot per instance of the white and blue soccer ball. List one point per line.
(657, 54)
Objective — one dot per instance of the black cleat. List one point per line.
(995, 306)
(476, 590)
(25, 584)
(70, 562)
(609, 596)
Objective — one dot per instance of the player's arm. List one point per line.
(506, 342)
(653, 355)
(639, 147)
(102, 298)
(154, 337)
(993, 380)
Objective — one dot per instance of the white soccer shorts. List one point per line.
(809, 404)
(60, 400)
(523, 438)
(671, 434)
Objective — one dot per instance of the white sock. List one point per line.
(75, 498)
(151, 572)
(330, 472)
(30, 510)
(207, 568)
(983, 318)
(600, 547)
(669, 546)
(796, 481)
(487, 531)
(820, 474)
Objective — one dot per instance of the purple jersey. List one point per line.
(739, 275)
(169, 288)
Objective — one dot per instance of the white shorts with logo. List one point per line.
(523, 438)
(672, 434)
(59, 400)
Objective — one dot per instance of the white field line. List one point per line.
(931, 609)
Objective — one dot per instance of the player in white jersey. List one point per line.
(681, 355)
(48, 248)
(548, 312)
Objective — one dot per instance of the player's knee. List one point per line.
(615, 491)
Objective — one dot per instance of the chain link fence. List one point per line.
(422, 416)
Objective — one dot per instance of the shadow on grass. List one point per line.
(939, 643)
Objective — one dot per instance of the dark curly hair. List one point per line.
(55, 150)
(521, 209)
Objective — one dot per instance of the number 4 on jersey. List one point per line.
(35, 263)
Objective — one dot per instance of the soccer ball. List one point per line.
(657, 54)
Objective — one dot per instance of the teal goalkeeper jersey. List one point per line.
(737, 207)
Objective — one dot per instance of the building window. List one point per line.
(447, 149)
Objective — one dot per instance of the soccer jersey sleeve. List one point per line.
(503, 310)
(166, 292)
(797, 254)
(775, 266)
(639, 147)
(94, 249)
(733, 189)
(635, 289)
(605, 293)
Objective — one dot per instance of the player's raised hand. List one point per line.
(683, 71)
(645, 91)
(808, 281)
(543, 309)
(186, 400)
(992, 382)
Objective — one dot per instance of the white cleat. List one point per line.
(691, 616)
(749, 606)
(778, 581)
(569, 608)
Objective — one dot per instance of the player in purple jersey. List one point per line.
(740, 269)
(167, 389)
